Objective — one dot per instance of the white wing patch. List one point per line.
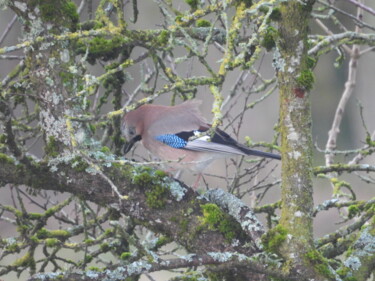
(203, 144)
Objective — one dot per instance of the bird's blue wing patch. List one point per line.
(172, 140)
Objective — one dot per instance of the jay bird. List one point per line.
(174, 134)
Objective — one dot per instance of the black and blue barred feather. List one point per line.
(172, 140)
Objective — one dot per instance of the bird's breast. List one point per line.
(176, 158)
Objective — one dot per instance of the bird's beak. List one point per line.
(130, 144)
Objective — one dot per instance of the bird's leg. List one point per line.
(178, 174)
(196, 184)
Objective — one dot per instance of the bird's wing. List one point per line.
(202, 144)
(175, 125)
(184, 117)
(220, 143)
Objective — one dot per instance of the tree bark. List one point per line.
(295, 79)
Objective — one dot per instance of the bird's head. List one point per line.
(131, 128)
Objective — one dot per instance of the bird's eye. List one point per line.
(128, 131)
(131, 132)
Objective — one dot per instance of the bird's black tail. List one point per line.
(259, 153)
(223, 138)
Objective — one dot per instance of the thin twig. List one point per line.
(362, 6)
(349, 87)
(329, 32)
(7, 29)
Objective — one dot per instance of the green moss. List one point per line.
(79, 165)
(349, 252)
(247, 3)
(324, 270)
(153, 182)
(211, 214)
(338, 186)
(115, 80)
(118, 170)
(101, 48)
(311, 62)
(346, 273)
(47, 11)
(160, 174)
(19, 100)
(143, 179)
(369, 140)
(162, 241)
(269, 37)
(105, 149)
(13, 248)
(306, 79)
(94, 268)
(18, 213)
(88, 258)
(156, 197)
(91, 25)
(27, 260)
(215, 219)
(178, 20)
(52, 242)
(51, 211)
(89, 241)
(5, 159)
(273, 239)
(66, 78)
(34, 216)
(193, 4)
(72, 84)
(353, 211)
(108, 232)
(320, 263)
(350, 278)
(70, 9)
(3, 138)
(104, 247)
(203, 23)
(34, 239)
(125, 255)
(58, 234)
(92, 128)
(23, 228)
(189, 278)
(275, 14)
(343, 271)
(163, 38)
(60, 12)
(51, 148)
